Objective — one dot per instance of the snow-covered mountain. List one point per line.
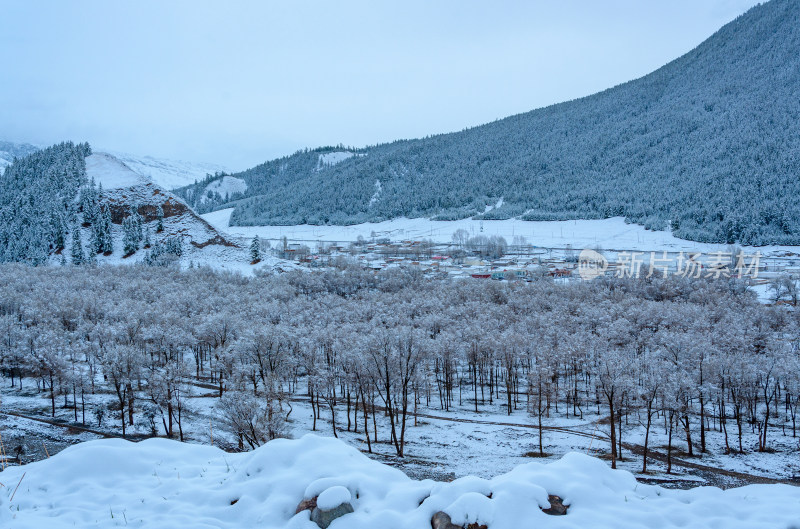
(168, 174)
(707, 146)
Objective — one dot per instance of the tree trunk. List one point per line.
(647, 436)
(333, 418)
(613, 432)
(702, 425)
(669, 446)
(688, 435)
(52, 396)
(366, 421)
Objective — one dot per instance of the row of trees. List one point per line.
(688, 355)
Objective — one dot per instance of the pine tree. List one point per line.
(159, 219)
(98, 236)
(89, 204)
(77, 246)
(136, 221)
(147, 237)
(132, 232)
(38, 193)
(129, 241)
(58, 229)
(255, 250)
(108, 239)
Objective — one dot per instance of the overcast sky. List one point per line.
(238, 83)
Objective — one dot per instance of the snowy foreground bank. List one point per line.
(165, 484)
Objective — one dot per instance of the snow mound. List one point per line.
(225, 186)
(165, 484)
(333, 497)
(111, 172)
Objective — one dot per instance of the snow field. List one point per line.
(168, 174)
(608, 234)
(165, 484)
(111, 172)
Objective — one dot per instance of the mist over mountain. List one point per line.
(706, 145)
(10, 150)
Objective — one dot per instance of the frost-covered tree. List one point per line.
(250, 419)
(255, 250)
(90, 203)
(76, 250)
(132, 231)
(165, 253)
(108, 239)
(678, 357)
(159, 219)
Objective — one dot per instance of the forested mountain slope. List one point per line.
(39, 201)
(165, 173)
(708, 145)
(65, 203)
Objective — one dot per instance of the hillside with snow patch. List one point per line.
(225, 187)
(166, 484)
(328, 159)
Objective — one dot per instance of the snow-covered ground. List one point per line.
(169, 174)
(225, 186)
(609, 234)
(165, 484)
(111, 172)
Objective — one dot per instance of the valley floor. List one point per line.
(609, 234)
